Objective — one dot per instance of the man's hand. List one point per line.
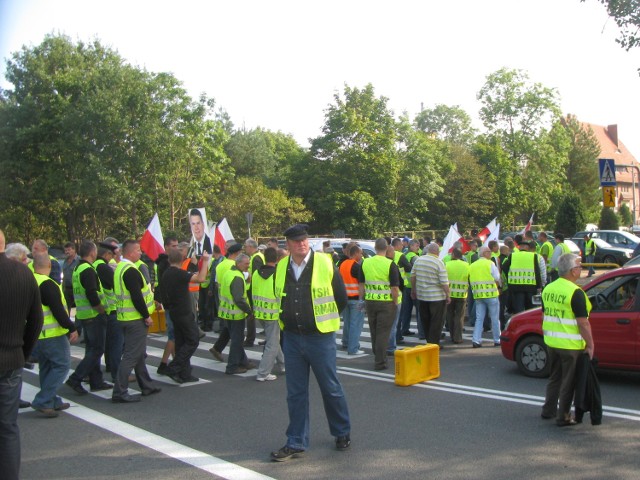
(148, 322)
(590, 350)
(73, 337)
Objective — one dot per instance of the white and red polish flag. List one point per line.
(486, 231)
(222, 234)
(494, 235)
(152, 242)
(528, 227)
(452, 237)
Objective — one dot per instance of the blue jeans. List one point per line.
(54, 359)
(482, 306)
(94, 334)
(353, 317)
(10, 388)
(317, 351)
(392, 345)
(237, 356)
(404, 322)
(590, 259)
(113, 344)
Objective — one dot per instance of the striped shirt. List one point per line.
(431, 275)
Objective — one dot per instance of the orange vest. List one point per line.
(350, 282)
(193, 287)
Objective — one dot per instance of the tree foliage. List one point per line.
(608, 219)
(570, 217)
(448, 123)
(625, 13)
(626, 218)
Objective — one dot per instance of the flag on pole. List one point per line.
(486, 231)
(152, 242)
(495, 235)
(222, 235)
(528, 227)
(452, 237)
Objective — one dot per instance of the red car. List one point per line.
(614, 319)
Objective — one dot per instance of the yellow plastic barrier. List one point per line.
(417, 364)
(159, 324)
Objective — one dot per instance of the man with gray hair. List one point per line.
(567, 334)
(18, 252)
(485, 281)
(430, 285)
(40, 247)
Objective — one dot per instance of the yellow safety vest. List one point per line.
(50, 328)
(377, 285)
(522, 270)
(84, 310)
(483, 285)
(458, 272)
(126, 310)
(407, 275)
(325, 309)
(228, 309)
(253, 257)
(109, 296)
(265, 303)
(559, 324)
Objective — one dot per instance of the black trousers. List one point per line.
(187, 340)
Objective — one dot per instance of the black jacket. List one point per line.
(588, 398)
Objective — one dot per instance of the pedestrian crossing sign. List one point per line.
(607, 172)
(609, 196)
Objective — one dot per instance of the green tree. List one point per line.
(625, 14)
(626, 218)
(570, 217)
(450, 123)
(355, 153)
(608, 219)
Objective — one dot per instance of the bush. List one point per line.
(571, 216)
(608, 219)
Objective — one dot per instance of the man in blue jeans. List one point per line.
(311, 294)
(21, 313)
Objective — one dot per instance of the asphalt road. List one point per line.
(479, 419)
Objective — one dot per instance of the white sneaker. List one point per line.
(357, 352)
(268, 378)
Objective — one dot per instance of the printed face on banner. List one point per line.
(200, 240)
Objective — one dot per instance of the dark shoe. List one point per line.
(47, 412)
(566, 423)
(151, 391)
(62, 406)
(163, 369)
(343, 443)
(380, 367)
(546, 417)
(236, 371)
(400, 342)
(262, 342)
(247, 344)
(78, 388)
(476, 345)
(408, 332)
(286, 453)
(24, 404)
(496, 344)
(176, 378)
(190, 379)
(101, 387)
(216, 354)
(126, 398)
(250, 365)
(29, 365)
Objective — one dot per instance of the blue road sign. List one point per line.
(607, 172)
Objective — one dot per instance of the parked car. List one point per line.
(368, 248)
(614, 319)
(605, 253)
(615, 238)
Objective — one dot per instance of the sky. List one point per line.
(278, 64)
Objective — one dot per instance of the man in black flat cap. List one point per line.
(311, 294)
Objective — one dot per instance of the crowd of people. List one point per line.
(299, 297)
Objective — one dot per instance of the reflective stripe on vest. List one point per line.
(325, 309)
(458, 272)
(265, 304)
(126, 310)
(522, 270)
(377, 285)
(350, 282)
(109, 296)
(483, 285)
(84, 309)
(559, 324)
(228, 309)
(50, 328)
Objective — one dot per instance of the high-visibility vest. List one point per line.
(223, 267)
(193, 286)
(522, 270)
(458, 272)
(206, 283)
(126, 310)
(407, 275)
(253, 257)
(483, 285)
(228, 309)
(469, 256)
(50, 328)
(546, 250)
(559, 324)
(377, 285)
(265, 303)
(396, 259)
(84, 309)
(30, 264)
(109, 296)
(590, 247)
(325, 309)
(350, 282)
